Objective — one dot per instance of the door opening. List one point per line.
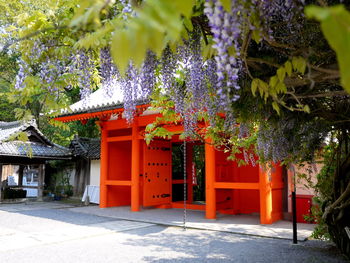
(195, 166)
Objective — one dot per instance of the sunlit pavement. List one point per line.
(56, 232)
(236, 224)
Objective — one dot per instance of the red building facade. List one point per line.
(139, 175)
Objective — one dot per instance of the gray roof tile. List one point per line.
(9, 146)
(26, 149)
(86, 147)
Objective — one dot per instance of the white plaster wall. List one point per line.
(95, 172)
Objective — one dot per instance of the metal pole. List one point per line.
(294, 210)
(294, 207)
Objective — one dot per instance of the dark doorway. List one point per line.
(195, 171)
(199, 180)
(177, 172)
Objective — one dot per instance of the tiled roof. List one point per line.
(86, 147)
(30, 149)
(37, 145)
(9, 129)
(100, 100)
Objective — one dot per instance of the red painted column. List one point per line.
(104, 166)
(265, 194)
(135, 168)
(277, 186)
(210, 208)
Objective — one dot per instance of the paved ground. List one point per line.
(55, 232)
(237, 224)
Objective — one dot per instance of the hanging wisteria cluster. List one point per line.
(50, 71)
(49, 68)
(22, 74)
(108, 72)
(226, 29)
(84, 67)
(25, 69)
(211, 85)
(288, 137)
(277, 12)
(137, 84)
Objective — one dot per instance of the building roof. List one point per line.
(102, 100)
(37, 146)
(88, 148)
(9, 129)
(29, 149)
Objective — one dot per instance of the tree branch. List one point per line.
(325, 94)
(262, 61)
(342, 197)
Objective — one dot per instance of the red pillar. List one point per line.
(135, 168)
(210, 208)
(104, 166)
(265, 194)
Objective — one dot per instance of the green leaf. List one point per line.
(188, 24)
(276, 107)
(120, 49)
(317, 12)
(184, 6)
(281, 73)
(299, 64)
(256, 36)
(155, 42)
(281, 87)
(226, 4)
(307, 108)
(335, 23)
(254, 86)
(288, 67)
(273, 81)
(139, 45)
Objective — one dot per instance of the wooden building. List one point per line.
(31, 153)
(86, 152)
(139, 175)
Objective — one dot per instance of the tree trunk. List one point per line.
(337, 214)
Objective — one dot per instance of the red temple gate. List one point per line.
(136, 174)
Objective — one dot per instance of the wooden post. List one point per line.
(88, 172)
(83, 177)
(77, 175)
(20, 175)
(265, 195)
(41, 179)
(103, 167)
(135, 168)
(210, 208)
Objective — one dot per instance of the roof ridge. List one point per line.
(11, 124)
